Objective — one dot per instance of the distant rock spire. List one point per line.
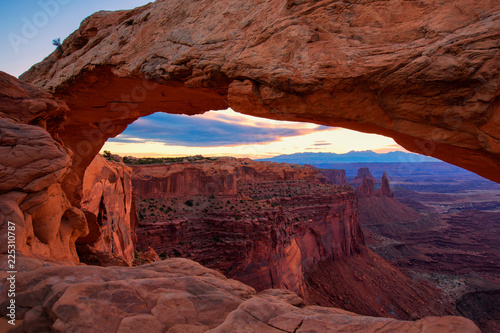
(385, 189)
(364, 172)
(366, 189)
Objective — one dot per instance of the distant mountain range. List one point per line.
(366, 156)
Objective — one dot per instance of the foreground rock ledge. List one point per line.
(179, 295)
(423, 72)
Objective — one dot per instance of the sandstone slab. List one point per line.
(178, 295)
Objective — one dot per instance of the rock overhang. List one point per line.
(423, 73)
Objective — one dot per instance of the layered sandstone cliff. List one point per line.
(219, 177)
(274, 223)
(109, 205)
(302, 235)
(337, 177)
(54, 297)
(364, 173)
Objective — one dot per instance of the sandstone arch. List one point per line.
(423, 72)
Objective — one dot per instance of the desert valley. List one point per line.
(93, 241)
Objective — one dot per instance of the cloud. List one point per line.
(322, 144)
(210, 131)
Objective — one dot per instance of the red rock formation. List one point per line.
(362, 173)
(433, 86)
(337, 177)
(366, 189)
(32, 165)
(196, 299)
(219, 177)
(109, 206)
(184, 179)
(34, 162)
(283, 221)
(36, 200)
(385, 189)
(282, 234)
(369, 285)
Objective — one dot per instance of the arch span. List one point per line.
(423, 72)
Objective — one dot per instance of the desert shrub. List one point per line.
(57, 42)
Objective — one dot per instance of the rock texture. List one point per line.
(367, 284)
(219, 177)
(109, 205)
(299, 234)
(367, 187)
(179, 295)
(274, 223)
(336, 176)
(32, 165)
(425, 73)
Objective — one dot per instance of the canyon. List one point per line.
(101, 230)
(277, 226)
(303, 231)
(273, 221)
(423, 73)
(440, 225)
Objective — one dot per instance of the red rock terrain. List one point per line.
(362, 174)
(54, 297)
(179, 295)
(336, 176)
(368, 284)
(34, 162)
(109, 206)
(275, 221)
(299, 234)
(448, 242)
(217, 178)
(424, 73)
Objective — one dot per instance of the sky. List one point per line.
(27, 28)
(228, 133)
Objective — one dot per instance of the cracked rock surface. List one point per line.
(179, 295)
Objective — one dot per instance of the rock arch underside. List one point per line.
(426, 73)
(423, 72)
